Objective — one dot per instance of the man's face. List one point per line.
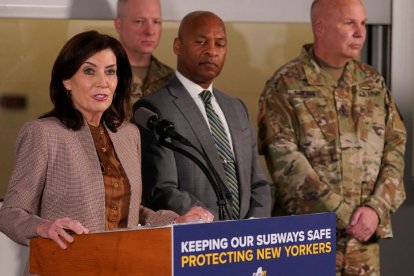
(201, 50)
(139, 26)
(344, 31)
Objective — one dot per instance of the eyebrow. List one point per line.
(207, 37)
(94, 65)
(355, 19)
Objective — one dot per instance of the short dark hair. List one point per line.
(73, 54)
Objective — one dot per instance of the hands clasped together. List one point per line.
(363, 224)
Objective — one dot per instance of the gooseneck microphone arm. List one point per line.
(221, 201)
(165, 129)
(219, 180)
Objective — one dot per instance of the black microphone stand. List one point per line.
(215, 181)
(164, 129)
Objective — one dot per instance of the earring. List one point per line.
(114, 95)
(68, 93)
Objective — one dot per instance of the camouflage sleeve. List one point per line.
(389, 191)
(296, 183)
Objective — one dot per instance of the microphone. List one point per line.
(165, 129)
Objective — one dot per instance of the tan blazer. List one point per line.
(57, 174)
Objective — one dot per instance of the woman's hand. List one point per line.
(196, 213)
(57, 230)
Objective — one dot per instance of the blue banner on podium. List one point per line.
(290, 245)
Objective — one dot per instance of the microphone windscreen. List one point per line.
(142, 116)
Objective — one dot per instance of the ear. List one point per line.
(67, 84)
(177, 45)
(318, 28)
(117, 24)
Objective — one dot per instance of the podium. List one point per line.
(134, 252)
(290, 245)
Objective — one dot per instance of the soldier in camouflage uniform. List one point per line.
(157, 74)
(333, 138)
(138, 24)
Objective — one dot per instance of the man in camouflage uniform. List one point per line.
(138, 24)
(333, 138)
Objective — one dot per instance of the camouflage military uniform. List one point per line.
(158, 74)
(334, 146)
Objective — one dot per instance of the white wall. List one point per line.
(283, 11)
(13, 257)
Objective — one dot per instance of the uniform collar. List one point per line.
(318, 77)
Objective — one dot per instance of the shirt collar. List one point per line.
(192, 88)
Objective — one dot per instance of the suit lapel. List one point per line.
(195, 119)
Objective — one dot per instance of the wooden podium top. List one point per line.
(129, 252)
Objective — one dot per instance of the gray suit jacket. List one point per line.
(172, 181)
(57, 174)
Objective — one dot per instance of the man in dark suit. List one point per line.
(171, 180)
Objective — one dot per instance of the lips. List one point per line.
(100, 97)
(148, 42)
(209, 65)
(356, 46)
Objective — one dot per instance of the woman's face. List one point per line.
(93, 85)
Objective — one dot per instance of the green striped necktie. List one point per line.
(224, 150)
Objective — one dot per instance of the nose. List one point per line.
(360, 31)
(149, 27)
(211, 48)
(102, 80)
